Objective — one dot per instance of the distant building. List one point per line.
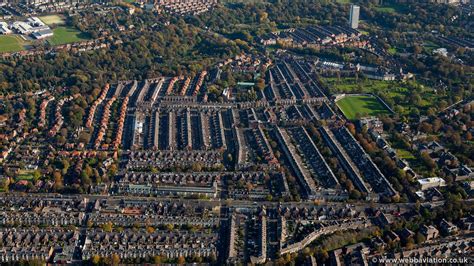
(4, 28)
(449, 2)
(42, 34)
(32, 26)
(448, 227)
(430, 232)
(430, 182)
(441, 51)
(354, 16)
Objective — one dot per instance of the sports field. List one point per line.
(11, 43)
(63, 35)
(391, 8)
(52, 19)
(356, 106)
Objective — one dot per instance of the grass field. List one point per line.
(25, 175)
(52, 19)
(405, 154)
(391, 8)
(351, 85)
(357, 106)
(397, 91)
(11, 43)
(63, 35)
(392, 50)
(429, 46)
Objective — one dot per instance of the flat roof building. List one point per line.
(430, 182)
(354, 16)
(4, 28)
(42, 34)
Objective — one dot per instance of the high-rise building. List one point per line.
(354, 16)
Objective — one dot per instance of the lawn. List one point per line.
(25, 175)
(52, 19)
(11, 43)
(405, 154)
(429, 46)
(397, 91)
(356, 106)
(63, 35)
(391, 8)
(392, 50)
(351, 85)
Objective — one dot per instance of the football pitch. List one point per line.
(63, 35)
(10, 43)
(52, 19)
(356, 106)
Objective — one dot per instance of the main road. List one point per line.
(360, 205)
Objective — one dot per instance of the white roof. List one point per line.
(22, 26)
(430, 180)
(36, 21)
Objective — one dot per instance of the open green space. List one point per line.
(356, 106)
(25, 175)
(393, 92)
(429, 46)
(353, 85)
(405, 154)
(392, 50)
(63, 35)
(391, 8)
(11, 43)
(52, 19)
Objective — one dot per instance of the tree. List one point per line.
(351, 128)
(468, 136)
(261, 84)
(169, 227)
(95, 259)
(263, 17)
(108, 227)
(197, 167)
(36, 175)
(427, 160)
(354, 194)
(115, 259)
(417, 49)
(4, 183)
(158, 259)
(410, 243)
(181, 260)
(58, 180)
(420, 238)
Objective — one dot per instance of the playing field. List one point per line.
(391, 8)
(356, 106)
(63, 35)
(10, 43)
(25, 175)
(52, 19)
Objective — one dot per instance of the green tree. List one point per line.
(107, 227)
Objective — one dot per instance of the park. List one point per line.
(356, 106)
